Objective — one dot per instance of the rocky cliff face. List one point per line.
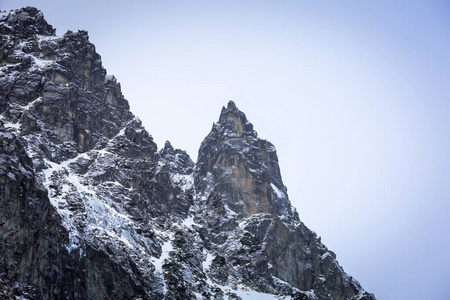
(241, 168)
(249, 222)
(90, 209)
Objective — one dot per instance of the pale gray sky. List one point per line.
(353, 94)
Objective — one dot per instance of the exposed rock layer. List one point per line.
(90, 209)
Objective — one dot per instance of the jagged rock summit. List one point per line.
(243, 169)
(90, 209)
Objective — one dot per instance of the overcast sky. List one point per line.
(353, 94)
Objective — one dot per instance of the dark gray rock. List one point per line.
(249, 224)
(90, 209)
(35, 262)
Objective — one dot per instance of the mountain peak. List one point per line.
(231, 108)
(168, 146)
(231, 104)
(233, 122)
(25, 22)
(85, 192)
(243, 167)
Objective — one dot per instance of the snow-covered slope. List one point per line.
(90, 209)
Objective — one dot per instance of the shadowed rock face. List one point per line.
(87, 172)
(90, 209)
(33, 258)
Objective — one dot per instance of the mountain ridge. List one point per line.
(124, 219)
